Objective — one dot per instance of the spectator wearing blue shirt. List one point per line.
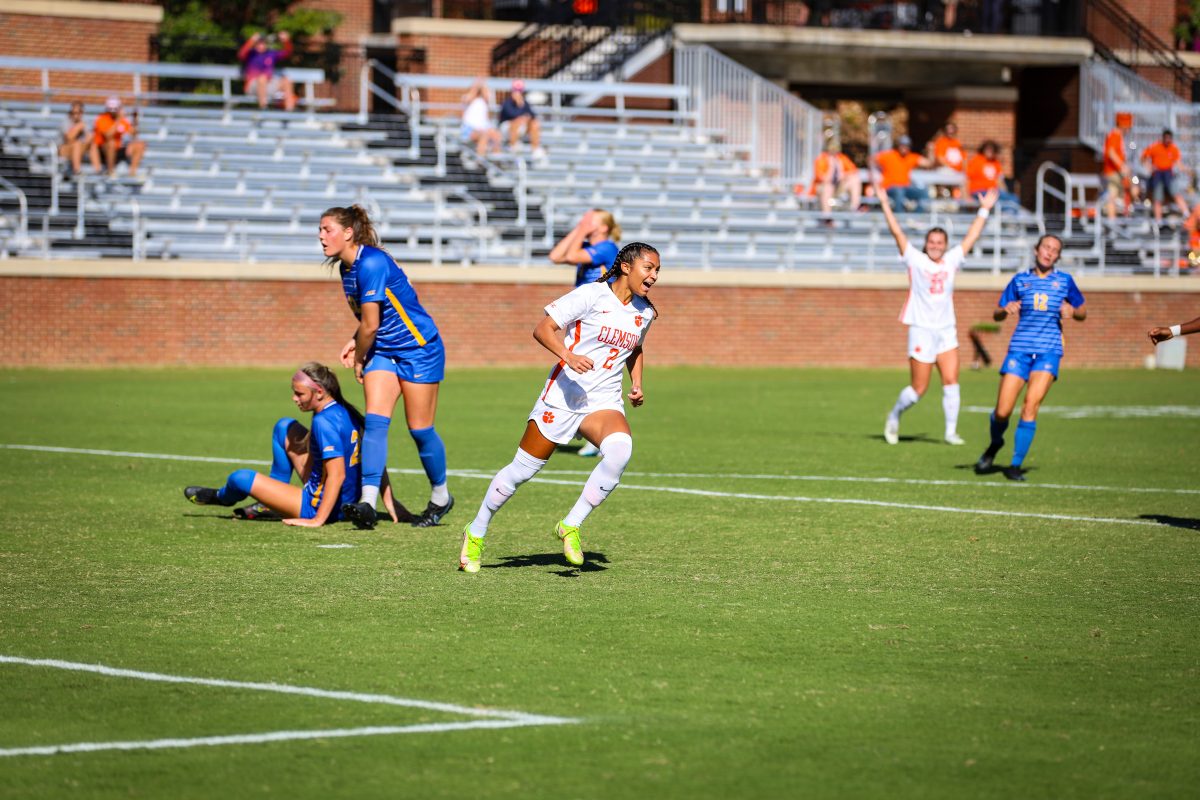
(1042, 296)
(521, 119)
(395, 352)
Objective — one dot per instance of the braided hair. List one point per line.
(627, 255)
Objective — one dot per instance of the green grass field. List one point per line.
(750, 623)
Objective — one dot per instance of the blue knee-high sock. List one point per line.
(1024, 438)
(432, 453)
(237, 487)
(281, 465)
(998, 427)
(374, 449)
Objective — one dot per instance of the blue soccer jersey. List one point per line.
(1039, 329)
(403, 323)
(603, 255)
(334, 435)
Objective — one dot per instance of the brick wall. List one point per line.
(80, 37)
(103, 321)
(1158, 16)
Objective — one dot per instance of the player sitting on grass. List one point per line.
(326, 458)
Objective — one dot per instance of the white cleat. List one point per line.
(891, 430)
(954, 438)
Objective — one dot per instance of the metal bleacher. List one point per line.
(235, 183)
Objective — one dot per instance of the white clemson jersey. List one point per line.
(607, 331)
(930, 301)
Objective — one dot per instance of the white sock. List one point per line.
(439, 495)
(503, 486)
(908, 397)
(951, 401)
(370, 495)
(616, 450)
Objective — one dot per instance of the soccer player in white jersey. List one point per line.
(929, 314)
(594, 331)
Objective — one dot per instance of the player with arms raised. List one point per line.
(594, 331)
(929, 314)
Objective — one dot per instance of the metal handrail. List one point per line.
(8, 187)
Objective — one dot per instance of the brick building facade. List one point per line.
(206, 314)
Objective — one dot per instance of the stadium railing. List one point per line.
(139, 72)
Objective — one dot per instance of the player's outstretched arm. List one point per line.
(890, 217)
(1162, 334)
(986, 204)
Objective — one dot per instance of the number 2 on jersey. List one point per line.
(612, 354)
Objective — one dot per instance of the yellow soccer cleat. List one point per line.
(572, 548)
(471, 553)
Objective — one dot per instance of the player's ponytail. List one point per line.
(327, 379)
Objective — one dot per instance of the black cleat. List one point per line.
(202, 496)
(257, 511)
(432, 515)
(1014, 473)
(361, 514)
(984, 465)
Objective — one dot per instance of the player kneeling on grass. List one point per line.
(595, 331)
(326, 458)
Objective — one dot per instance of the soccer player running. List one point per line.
(395, 352)
(325, 457)
(929, 314)
(594, 331)
(1042, 296)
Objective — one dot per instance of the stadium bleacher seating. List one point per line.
(250, 185)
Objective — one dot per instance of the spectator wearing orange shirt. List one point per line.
(833, 174)
(1116, 171)
(895, 167)
(108, 138)
(1163, 155)
(984, 173)
(948, 150)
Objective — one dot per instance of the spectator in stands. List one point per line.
(833, 174)
(259, 58)
(948, 151)
(592, 247)
(74, 138)
(985, 173)
(521, 118)
(476, 119)
(115, 137)
(1116, 171)
(895, 167)
(1163, 156)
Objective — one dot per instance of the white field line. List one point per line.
(475, 473)
(1106, 412)
(258, 738)
(485, 718)
(852, 502)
